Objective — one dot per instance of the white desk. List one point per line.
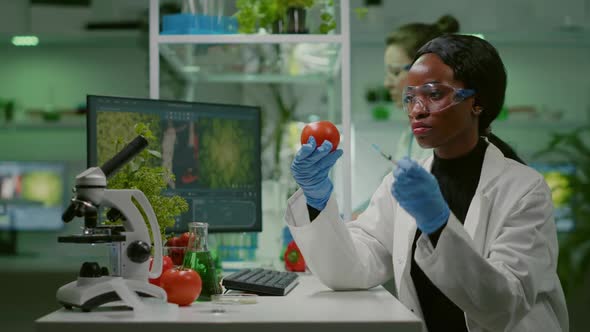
(308, 307)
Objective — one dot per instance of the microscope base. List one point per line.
(90, 293)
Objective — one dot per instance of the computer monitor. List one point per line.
(32, 195)
(212, 149)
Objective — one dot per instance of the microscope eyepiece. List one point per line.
(134, 147)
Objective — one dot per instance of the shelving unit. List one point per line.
(262, 78)
(248, 39)
(161, 45)
(194, 73)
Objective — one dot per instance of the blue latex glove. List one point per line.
(310, 170)
(417, 191)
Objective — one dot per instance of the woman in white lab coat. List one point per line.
(469, 235)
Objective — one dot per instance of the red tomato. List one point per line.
(183, 239)
(182, 285)
(177, 255)
(167, 264)
(321, 131)
(177, 250)
(173, 242)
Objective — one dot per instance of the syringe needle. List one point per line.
(386, 156)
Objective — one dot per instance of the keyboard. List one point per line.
(261, 281)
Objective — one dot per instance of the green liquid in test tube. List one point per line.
(199, 258)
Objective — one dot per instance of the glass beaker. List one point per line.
(199, 258)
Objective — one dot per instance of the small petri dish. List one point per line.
(241, 298)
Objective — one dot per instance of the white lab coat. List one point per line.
(499, 267)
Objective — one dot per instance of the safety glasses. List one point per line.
(434, 97)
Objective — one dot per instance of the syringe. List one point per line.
(386, 156)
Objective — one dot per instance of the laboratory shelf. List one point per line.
(249, 39)
(322, 66)
(189, 56)
(264, 78)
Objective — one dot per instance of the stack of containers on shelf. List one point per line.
(210, 20)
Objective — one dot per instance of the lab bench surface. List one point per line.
(309, 307)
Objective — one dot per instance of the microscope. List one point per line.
(130, 243)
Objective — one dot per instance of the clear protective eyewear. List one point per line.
(434, 97)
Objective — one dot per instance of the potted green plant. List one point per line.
(574, 246)
(272, 15)
(296, 13)
(247, 15)
(282, 16)
(145, 173)
(254, 14)
(379, 99)
(328, 23)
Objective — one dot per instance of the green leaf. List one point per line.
(326, 16)
(134, 166)
(361, 12)
(154, 153)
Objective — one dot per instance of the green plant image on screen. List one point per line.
(227, 153)
(111, 127)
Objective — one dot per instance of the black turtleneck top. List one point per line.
(457, 179)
